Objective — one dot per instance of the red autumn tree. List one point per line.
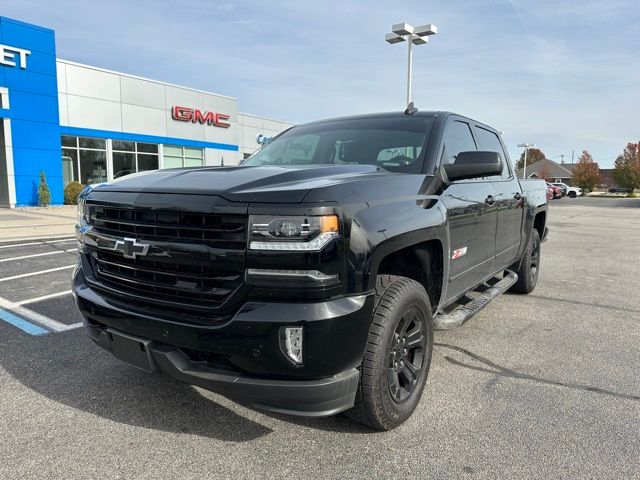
(627, 167)
(586, 173)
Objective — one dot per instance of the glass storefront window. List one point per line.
(85, 159)
(69, 141)
(93, 143)
(173, 151)
(175, 157)
(123, 146)
(131, 157)
(124, 163)
(147, 147)
(93, 166)
(70, 165)
(172, 162)
(147, 162)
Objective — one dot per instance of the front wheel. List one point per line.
(397, 356)
(572, 194)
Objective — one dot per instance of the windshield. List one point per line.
(393, 143)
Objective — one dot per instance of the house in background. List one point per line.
(552, 171)
(562, 172)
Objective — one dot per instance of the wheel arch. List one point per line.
(539, 222)
(422, 262)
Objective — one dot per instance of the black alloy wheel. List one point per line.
(397, 354)
(534, 259)
(529, 268)
(406, 355)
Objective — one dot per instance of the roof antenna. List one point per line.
(410, 109)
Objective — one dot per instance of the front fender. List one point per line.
(379, 229)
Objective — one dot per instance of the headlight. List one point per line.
(81, 211)
(81, 218)
(295, 233)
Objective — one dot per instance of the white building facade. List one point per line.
(95, 125)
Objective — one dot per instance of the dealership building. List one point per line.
(82, 123)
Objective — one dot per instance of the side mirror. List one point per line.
(474, 165)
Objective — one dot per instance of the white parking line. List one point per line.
(23, 275)
(37, 317)
(27, 244)
(43, 297)
(62, 240)
(37, 255)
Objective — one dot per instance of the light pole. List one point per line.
(526, 147)
(414, 36)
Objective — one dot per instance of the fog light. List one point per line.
(293, 343)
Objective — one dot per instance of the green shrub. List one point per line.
(71, 192)
(44, 194)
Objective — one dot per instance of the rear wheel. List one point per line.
(529, 267)
(397, 356)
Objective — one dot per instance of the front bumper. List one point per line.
(314, 398)
(256, 370)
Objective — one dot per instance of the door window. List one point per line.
(458, 138)
(489, 142)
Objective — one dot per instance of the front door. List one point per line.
(472, 215)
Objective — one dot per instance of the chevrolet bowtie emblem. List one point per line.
(130, 248)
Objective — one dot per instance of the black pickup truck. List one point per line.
(309, 279)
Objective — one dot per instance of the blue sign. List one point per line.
(28, 72)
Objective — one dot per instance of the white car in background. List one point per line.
(572, 192)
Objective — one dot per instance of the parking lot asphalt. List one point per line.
(540, 385)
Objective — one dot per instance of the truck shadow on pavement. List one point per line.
(67, 368)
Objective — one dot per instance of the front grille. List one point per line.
(221, 231)
(193, 267)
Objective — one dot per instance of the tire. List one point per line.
(572, 194)
(385, 397)
(529, 266)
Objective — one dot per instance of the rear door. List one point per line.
(472, 216)
(509, 200)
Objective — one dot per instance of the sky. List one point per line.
(563, 74)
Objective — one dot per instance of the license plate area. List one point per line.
(131, 349)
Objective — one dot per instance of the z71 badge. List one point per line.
(458, 252)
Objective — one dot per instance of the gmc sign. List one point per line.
(193, 115)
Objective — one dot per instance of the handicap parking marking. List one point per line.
(38, 269)
(22, 324)
(30, 321)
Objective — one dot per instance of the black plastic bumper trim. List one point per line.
(311, 398)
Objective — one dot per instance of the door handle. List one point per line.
(489, 200)
(517, 196)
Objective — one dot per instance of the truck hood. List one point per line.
(244, 184)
